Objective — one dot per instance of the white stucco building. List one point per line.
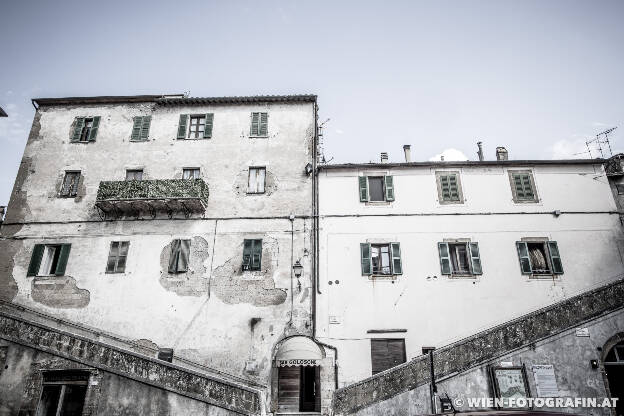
(426, 253)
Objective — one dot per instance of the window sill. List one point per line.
(531, 201)
(256, 193)
(378, 203)
(188, 139)
(462, 276)
(115, 272)
(139, 141)
(259, 137)
(389, 277)
(543, 276)
(450, 202)
(67, 196)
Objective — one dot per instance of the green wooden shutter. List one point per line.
(445, 188)
(185, 254)
(527, 187)
(255, 122)
(555, 258)
(62, 261)
(247, 250)
(173, 256)
(94, 128)
(395, 251)
(523, 256)
(182, 126)
(363, 184)
(365, 259)
(475, 258)
(208, 126)
(79, 123)
(453, 189)
(136, 128)
(264, 124)
(145, 127)
(389, 188)
(35, 260)
(445, 258)
(256, 255)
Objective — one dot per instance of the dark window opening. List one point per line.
(190, 173)
(459, 258)
(70, 184)
(86, 129)
(117, 257)
(63, 394)
(50, 260)
(539, 258)
(252, 254)
(614, 366)
(387, 353)
(299, 389)
(376, 188)
(380, 259)
(196, 127)
(179, 257)
(134, 174)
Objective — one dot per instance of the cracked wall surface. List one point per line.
(59, 292)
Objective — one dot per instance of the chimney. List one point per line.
(480, 151)
(441, 158)
(384, 157)
(501, 153)
(408, 153)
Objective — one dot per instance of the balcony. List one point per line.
(116, 199)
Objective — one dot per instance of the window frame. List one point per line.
(117, 257)
(546, 244)
(249, 265)
(73, 192)
(134, 171)
(84, 383)
(471, 248)
(386, 340)
(185, 170)
(514, 191)
(258, 132)
(198, 134)
(257, 169)
(460, 192)
(86, 130)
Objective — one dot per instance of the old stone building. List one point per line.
(157, 258)
(511, 269)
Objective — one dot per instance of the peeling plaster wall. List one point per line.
(435, 309)
(570, 355)
(204, 314)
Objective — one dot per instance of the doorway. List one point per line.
(614, 367)
(299, 389)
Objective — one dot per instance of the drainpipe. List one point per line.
(292, 256)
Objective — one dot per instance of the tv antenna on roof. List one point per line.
(601, 138)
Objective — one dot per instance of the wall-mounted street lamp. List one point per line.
(298, 270)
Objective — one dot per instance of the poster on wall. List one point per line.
(545, 381)
(509, 382)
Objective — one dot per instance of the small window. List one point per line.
(64, 393)
(195, 126)
(134, 174)
(449, 188)
(252, 254)
(257, 178)
(179, 256)
(117, 257)
(140, 128)
(539, 257)
(70, 184)
(522, 186)
(381, 259)
(49, 260)
(387, 353)
(85, 129)
(376, 188)
(620, 189)
(190, 173)
(259, 124)
(460, 258)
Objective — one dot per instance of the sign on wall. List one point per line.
(297, 362)
(509, 382)
(545, 381)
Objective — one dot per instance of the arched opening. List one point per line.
(297, 362)
(614, 369)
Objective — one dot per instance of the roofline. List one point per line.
(449, 164)
(170, 99)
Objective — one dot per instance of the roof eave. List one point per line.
(471, 163)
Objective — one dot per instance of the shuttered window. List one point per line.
(85, 129)
(460, 258)
(70, 184)
(539, 257)
(195, 126)
(257, 178)
(252, 254)
(380, 259)
(140, 128)
(49, 260)
(259, 124)
(522, 186)
(117, 257)
(387, 353)
(179, 256)
(376, 188)
(449, 187)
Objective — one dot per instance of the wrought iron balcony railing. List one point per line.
(125, 198)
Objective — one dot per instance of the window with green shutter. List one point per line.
(252, 254)
(459, 258)
(117, 257)
(49, 260)
(259, 125)
(376, 188)
(140, 128)
(179, 256)
(85, 129)
(380, 259)
(522, 186)
(449, 188)
(539, 258)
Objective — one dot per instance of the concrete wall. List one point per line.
(438, 310)
(569, 354)
(107, 394)
(205, 314)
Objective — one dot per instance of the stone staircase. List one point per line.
(482, 347)
(112, 354)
